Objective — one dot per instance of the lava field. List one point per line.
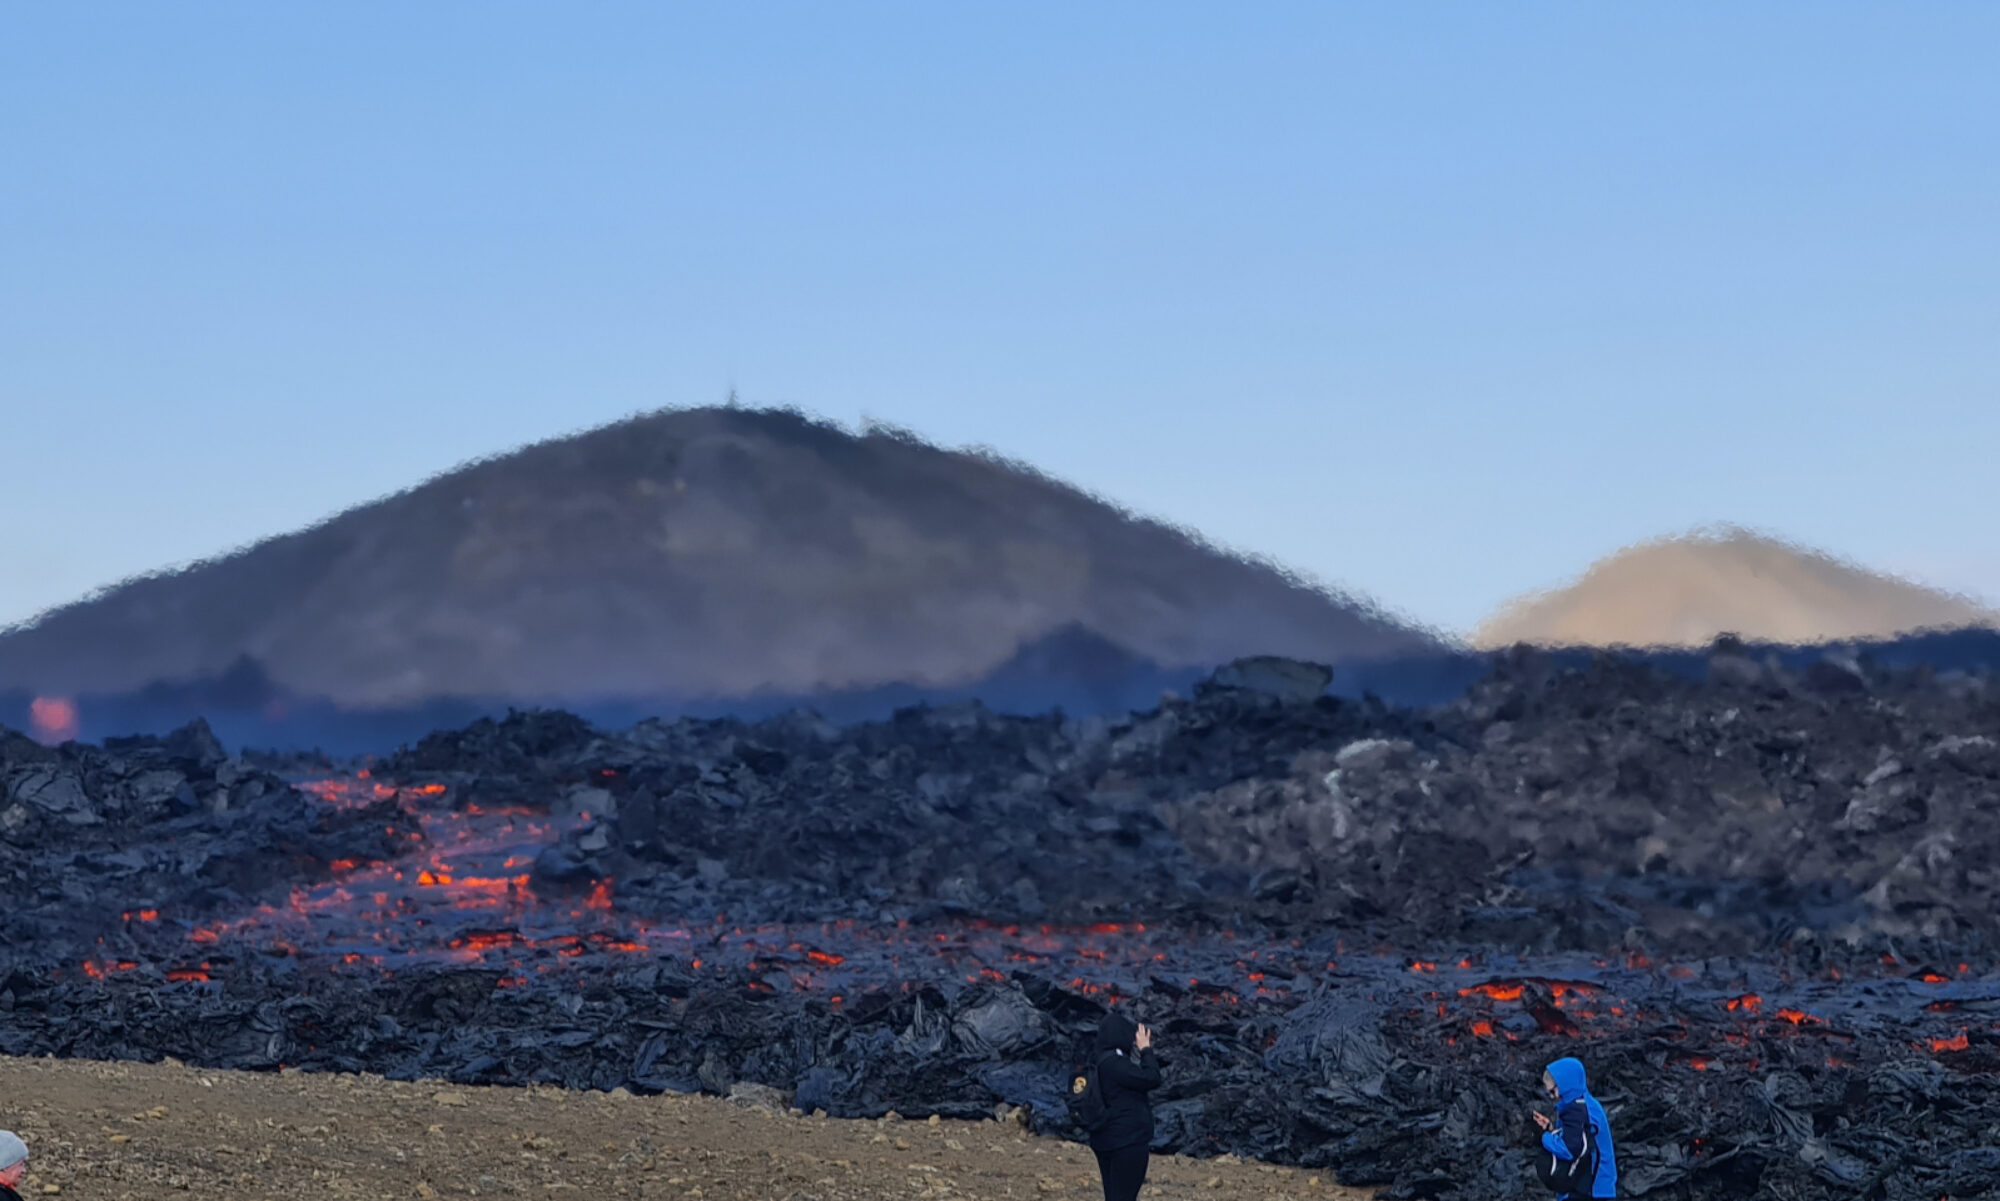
(1760, 906)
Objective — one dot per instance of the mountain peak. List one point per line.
(1688, 589)
(702, 552)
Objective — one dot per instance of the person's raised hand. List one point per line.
(1541, 1119)
(1144, 1038)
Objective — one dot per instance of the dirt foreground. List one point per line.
(121, 1130)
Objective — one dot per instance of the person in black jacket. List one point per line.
(13, 1164)
(1126, 1071)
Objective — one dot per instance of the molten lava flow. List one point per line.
(1511, 990)
(52, 720)
(468, 897)
(464, 892)
(347, 794)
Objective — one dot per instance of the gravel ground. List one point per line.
(123, 1130)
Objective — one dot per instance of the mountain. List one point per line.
(1684, 591)
(704, 552)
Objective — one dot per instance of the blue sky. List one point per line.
(1439, 302)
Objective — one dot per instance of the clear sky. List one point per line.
(1439, 302)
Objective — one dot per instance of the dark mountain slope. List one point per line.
(709, 552)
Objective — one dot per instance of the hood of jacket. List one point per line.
(1571, 1084)
(1116, 1033)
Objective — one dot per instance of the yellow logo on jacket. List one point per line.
(1080, 1084)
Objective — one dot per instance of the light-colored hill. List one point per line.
(708, 552)
(1685, 591)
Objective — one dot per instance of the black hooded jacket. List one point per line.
(1125, 1076)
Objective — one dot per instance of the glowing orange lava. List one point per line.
(1511, 990)
(52, 720)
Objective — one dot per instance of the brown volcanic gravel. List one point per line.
(123, 1130)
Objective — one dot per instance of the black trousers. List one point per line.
(1123, 1170)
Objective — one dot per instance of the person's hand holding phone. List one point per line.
(1542, 1119)
(1145, 1037)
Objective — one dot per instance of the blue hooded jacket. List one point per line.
(1571, 1088)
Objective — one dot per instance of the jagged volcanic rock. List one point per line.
(174, 823)
(1757, 905)
(1717, 815)
(1592, 809)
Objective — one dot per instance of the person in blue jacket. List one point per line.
(1577, 1159)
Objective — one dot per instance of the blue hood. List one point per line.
(1569, 1078)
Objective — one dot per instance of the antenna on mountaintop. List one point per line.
(732, 402)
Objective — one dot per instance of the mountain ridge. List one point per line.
(713, 551)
